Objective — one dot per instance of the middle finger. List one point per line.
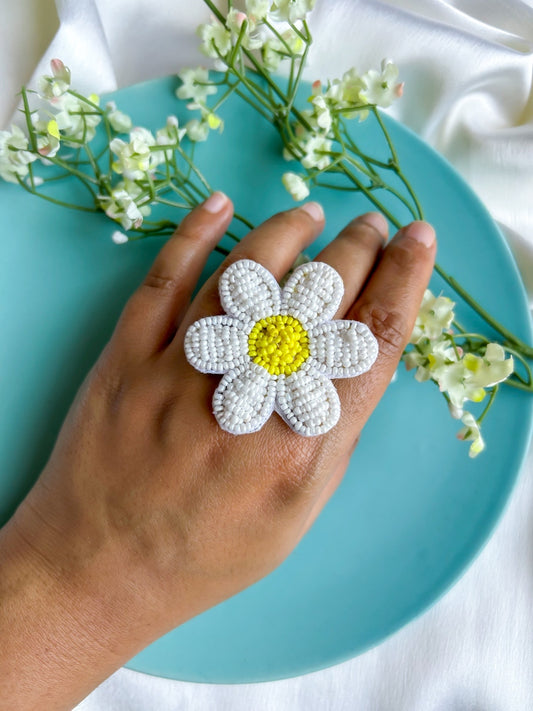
(354, 252)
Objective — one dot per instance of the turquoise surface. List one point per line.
(413, 509)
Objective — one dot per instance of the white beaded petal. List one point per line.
(308, 402)
(342, 349)
(248, 291)
(244, 399)
(312, 293)
(216, 344)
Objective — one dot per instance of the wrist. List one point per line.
(66, 624)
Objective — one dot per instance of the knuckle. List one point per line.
(293, 221)
(294, 479)
(365, 235)
(389, 327)
(403, 257)
(160, 282)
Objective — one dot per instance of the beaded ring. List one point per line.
(278, 349)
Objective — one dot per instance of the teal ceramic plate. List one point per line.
(413, 509)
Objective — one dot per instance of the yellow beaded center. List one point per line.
(279, 344)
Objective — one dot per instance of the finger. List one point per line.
(275, 244)
(389, 306)
(152, 314)
(353, 254)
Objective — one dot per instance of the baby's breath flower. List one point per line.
(126, 205)
(295, 185)
(434, 316)
(134, 158)
(195, 86)
(77, 120)
(52, 87)
(291, 10)
(49, 142)
(14, 156)
(471, 432)
(467, 378)
(171, 135)
(313, 147)
(274, 50)
(197, 130)
(216, 39)
(380, 87)
(120, 122)
(345, 92)
(119, 237)
(322, 113)
(234, 22)
(430, 355)
(257, 9)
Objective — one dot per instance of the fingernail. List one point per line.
(375, 220)
(314, 209)
(421, 232)
(215, 202)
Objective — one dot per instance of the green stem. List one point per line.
(27, 115)
(54, 200)
(296, 83)
(392, 149)
(371, 197)
(396, 164)
(488, 405)
(496, 325)
(253, 105)
(244, 221)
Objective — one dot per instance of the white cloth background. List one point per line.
(468, 67)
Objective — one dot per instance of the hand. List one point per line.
(147, 512)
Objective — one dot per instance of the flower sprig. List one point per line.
(465, 367)
(128, 171)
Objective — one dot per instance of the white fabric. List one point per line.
(468, 70)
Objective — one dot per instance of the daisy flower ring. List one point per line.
(278, 349)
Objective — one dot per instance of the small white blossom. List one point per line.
(120, 122)
(467, 378)
(274, 50)
(14, 156)
(216, 39)
(257, 10)
(195, 85)
(76, 119)
(491, 368)
(197, 130)
(134, 158)
(119, 237)
(322, 112)
(295, 185)
(234, 22)
(345, 92)
(125, 205)
(381, 87)
(471, 433)
(171, 135)
(428, 356)
(291, 10)
(52, 87)
(49, 140)
(313, 148)
(434, 316)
